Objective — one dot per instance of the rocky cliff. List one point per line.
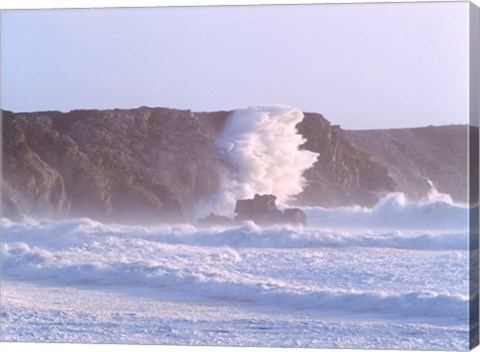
(343, 174)
(151, 165)
(413, 156)
(142, 165)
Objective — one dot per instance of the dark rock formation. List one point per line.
(29, 184)
(413, 155)
(359, 167)
(263, 210)
(141, 165)
(343, 175)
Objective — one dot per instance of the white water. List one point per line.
(316, 286)
(395, 212)
(433, 224)
(261, 145)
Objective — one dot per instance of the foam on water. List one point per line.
(252, 265)
(63, 234)
(207, 285)
(396, 212)
(96, 256)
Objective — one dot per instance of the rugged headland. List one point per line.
(414, 156)
(151, 165)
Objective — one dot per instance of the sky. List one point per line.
(362, 66)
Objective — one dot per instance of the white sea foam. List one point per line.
(395, 276)
(395, 212)
(347, 261)
(98, 256)
(38, 265)
(68, 233)
(261, 145)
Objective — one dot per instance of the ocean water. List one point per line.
(351, 279)
(394, 276)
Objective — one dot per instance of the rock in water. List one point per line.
(263, 210)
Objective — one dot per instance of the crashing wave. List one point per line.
(261, 145)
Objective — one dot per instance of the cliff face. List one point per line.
(414, 155)
(343, 174)
(29, 184)
(142, 165)
(151, 165)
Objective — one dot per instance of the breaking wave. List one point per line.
(93, 257)
(60, 234)
(261, 146)
(185, 262)
(41, 265)
(395, 212)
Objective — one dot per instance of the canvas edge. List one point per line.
(473, 174)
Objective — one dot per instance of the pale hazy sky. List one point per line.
(361, 66)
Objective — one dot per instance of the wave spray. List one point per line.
(261, 145)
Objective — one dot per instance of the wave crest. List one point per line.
(395, 212)
(62, 234)
(184, 281)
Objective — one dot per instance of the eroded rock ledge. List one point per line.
(261, 209)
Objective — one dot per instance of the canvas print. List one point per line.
(276, 176)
